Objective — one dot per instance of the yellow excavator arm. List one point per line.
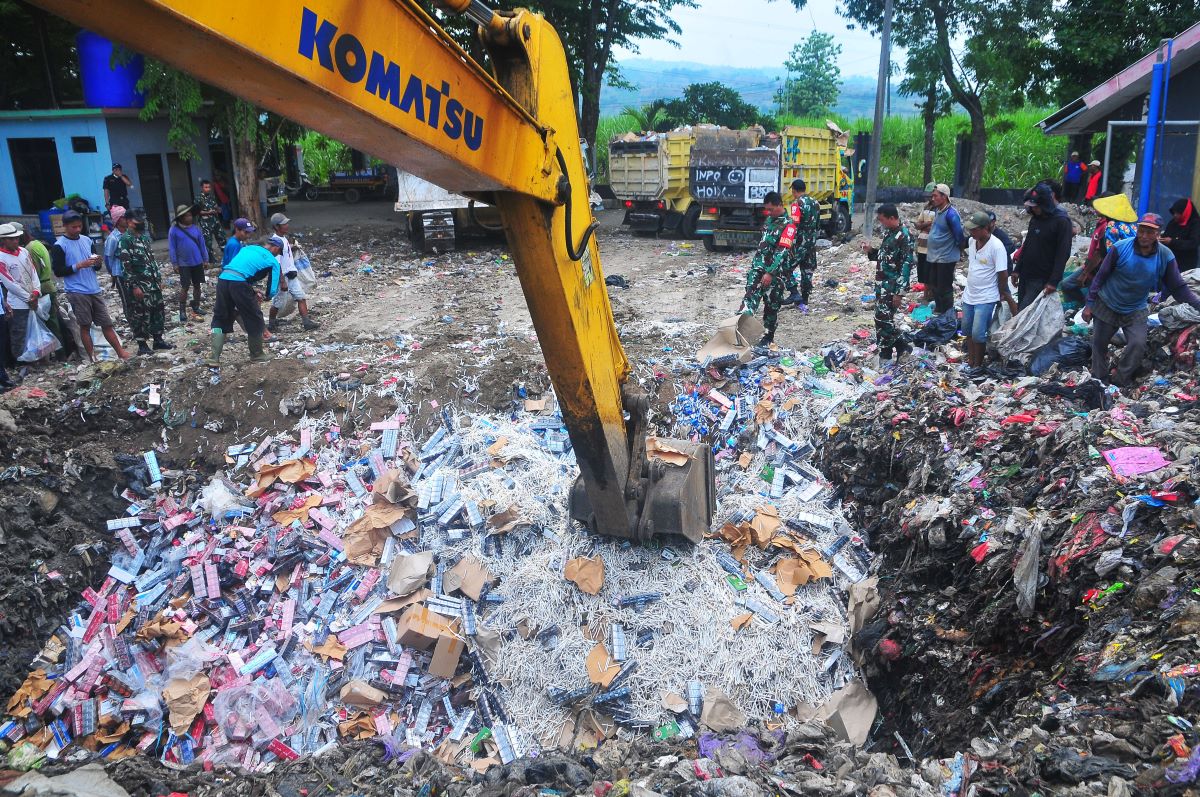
(383, 77)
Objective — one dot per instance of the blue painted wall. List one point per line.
(82, 173)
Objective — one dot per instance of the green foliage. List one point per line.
(611, 126)
(652, 116)
(24, 62)
(176, 95)
(1019, 154)
(711, 103)
(814, 78)
(323, 156)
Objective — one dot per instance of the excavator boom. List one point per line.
(384, 78)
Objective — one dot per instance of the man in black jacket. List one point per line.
(1182, 235)
(1047, 246)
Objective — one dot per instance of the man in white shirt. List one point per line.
(291, 272)
(987, 285)
(18, 275)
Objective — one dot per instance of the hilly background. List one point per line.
(654, 79)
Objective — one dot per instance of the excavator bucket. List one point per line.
(668, 499)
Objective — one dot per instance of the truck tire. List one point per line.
(416, 232)
(310, 193)
(352, 195)
(841, 221)
(687, 227)
(711, 245)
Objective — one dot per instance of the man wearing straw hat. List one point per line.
(1116, 223)
(189, 254)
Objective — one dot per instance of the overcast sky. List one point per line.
(760, 33)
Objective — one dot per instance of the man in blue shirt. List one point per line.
(189, 254)
(236, 296)
(112, 258)
(1132, 270)
(242, 229)
(72, 258)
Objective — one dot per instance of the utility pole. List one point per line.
(885, 65)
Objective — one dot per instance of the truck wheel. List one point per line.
(840, 223)
(310, 193)
(352, 195)
(416, 232)
(712, 245)
(687, 227)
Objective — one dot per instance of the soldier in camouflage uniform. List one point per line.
(895, 262)
(145, 310)
(210, 221)
(769, 270)
(805, 213)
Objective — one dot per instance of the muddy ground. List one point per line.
(399, 328)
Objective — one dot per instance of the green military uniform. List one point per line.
(772, 257)
(214, 234)
(805, 213)
(48, 286)
(147, 315)
(895, 257)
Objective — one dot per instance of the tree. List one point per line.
(996, 57)
(924, 81)
(589, 30)
(651, 117)
(712, 103)
(37, 59)
(814, 78)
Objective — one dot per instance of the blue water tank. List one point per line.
(106, 85)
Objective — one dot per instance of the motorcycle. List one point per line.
(305, 188)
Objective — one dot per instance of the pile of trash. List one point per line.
(434, 595)
(1038, 547)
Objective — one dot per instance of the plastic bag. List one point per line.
(1031, 329)
(285, 303)
(39, 343)
(44, 307)
(1025, 574)
(999, 319)
(941, 329)
(1067, 351)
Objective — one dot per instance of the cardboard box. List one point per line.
(734, 338)
(446, 655)
(420, 628)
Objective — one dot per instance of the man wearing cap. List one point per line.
(76, 263)
(116, 188)
(1116, 223)
(895, 261)
(112, 260)
(1182, 234)
(40, 256)
(210, 219)
(1073, 174)
(242, 230)
(236, 297)
(145, 310)
(923, 223)
(805, 213)
(189, 254)
(1117, 299)
(1047, 246)
(290, 269)
(1095, 175)
(987, 286)
(19, 278)
(946, 242)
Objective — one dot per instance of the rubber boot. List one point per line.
(143, 348)
(257, 355)
(161, 345)
(218, 343)
(767, 339)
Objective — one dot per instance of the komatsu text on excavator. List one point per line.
(383, 77)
